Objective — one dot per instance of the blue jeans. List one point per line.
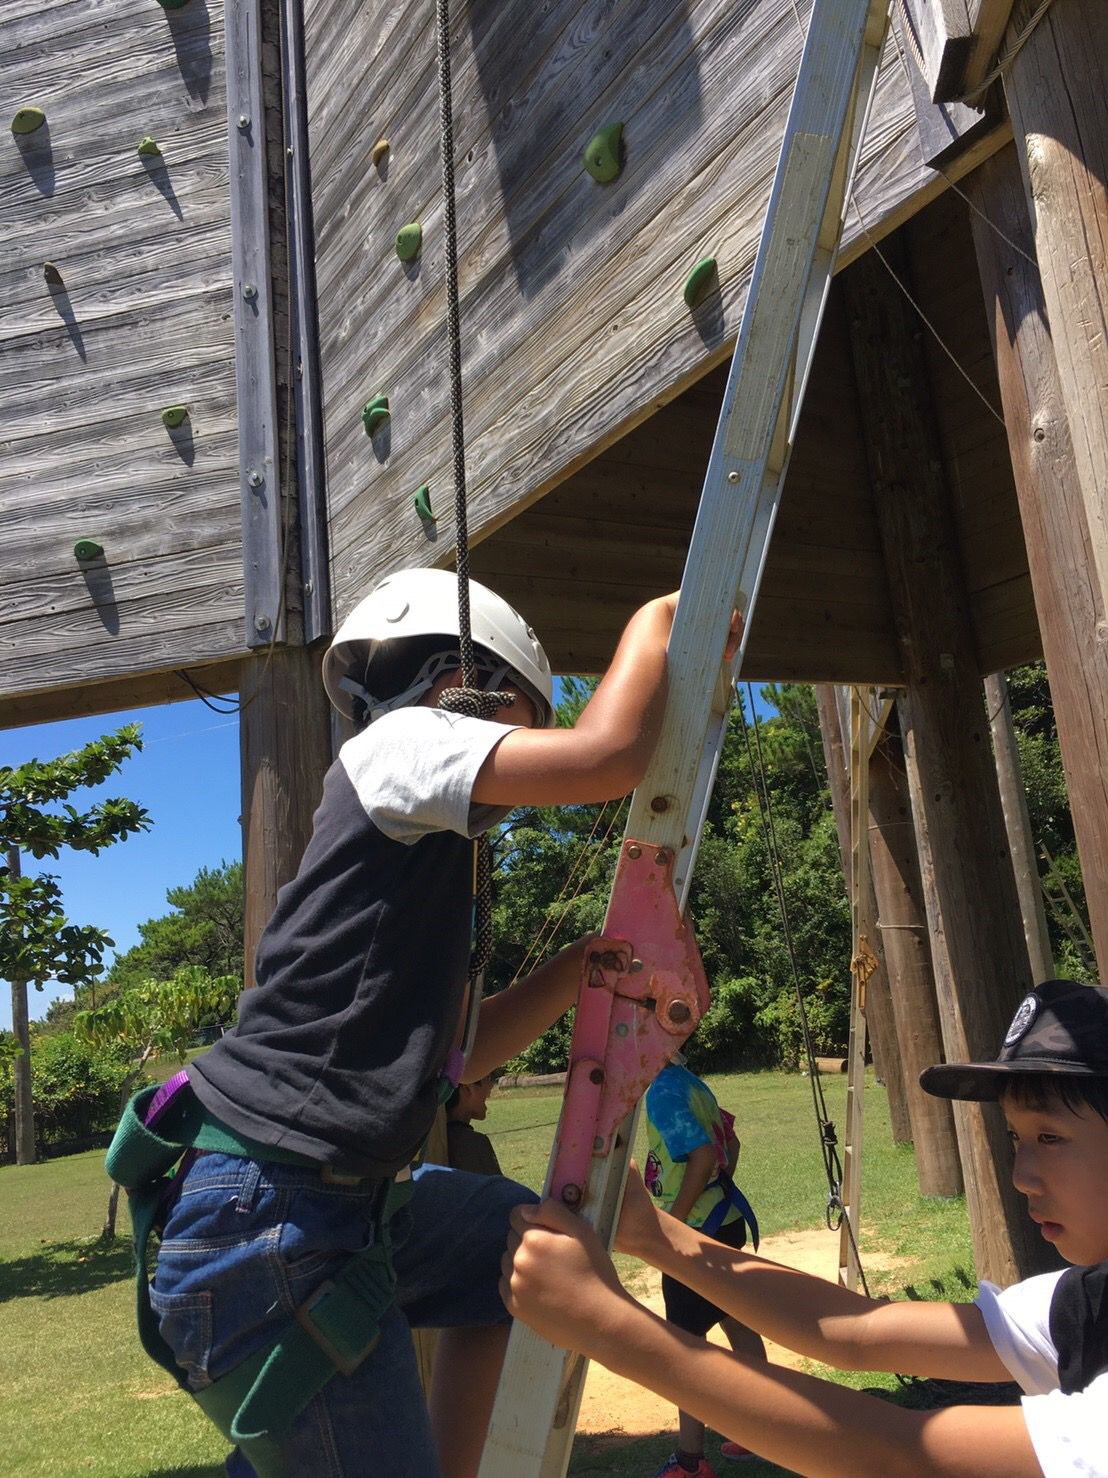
(244, 1246)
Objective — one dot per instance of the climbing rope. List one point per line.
(468, 699)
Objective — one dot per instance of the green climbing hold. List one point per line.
(148, 146)
(698, 280)
(51, 274)
(28, 119)
(604, 154)
(422, 502)
(375, 413)
(86, 549)
(173, 415)
(408, 241)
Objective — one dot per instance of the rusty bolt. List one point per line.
(621, 1028)
(678, 1013)
(661, 858)
(597, 1075)
(634, 852)
(636, 966)
(598, 1143)
(659, 804)
(571, 1195)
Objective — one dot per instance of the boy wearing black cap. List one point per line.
(1049, 1333)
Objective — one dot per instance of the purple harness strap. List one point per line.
(165, 1096)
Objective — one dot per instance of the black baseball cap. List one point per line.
(1061, 1027)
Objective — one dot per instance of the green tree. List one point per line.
(158, 1016)
(204, 929)
(37, 940)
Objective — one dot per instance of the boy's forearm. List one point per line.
(825, 1321)
(808, 1425)
(512, 1019)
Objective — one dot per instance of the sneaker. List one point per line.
(734, 1453)
(671, 1468)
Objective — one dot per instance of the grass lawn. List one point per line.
(81, 1397)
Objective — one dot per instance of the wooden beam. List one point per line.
(902, 930)
(143, 690)
(956, 40)
(941, 32)
(1070, 602)
(879, 1009)
(285, 749)
(989, 20)
(979, 958)
(1021, 843)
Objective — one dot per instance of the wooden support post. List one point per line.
(1013, 798)
(1055, 92)
(285, 749)
(1073, 620)
(902, 928)
(879, 1004)
(863, 963)
(979, 958)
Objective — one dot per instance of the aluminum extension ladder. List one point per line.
(629, 1022)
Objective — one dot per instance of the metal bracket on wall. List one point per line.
(255, 372)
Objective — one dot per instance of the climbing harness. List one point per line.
(255, 1404)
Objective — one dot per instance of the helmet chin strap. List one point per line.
(490, 675)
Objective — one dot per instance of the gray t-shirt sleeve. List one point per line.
(414, 770)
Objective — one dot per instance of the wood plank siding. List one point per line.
(585, 443)
(137, 318)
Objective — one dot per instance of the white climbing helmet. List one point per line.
(422, 603)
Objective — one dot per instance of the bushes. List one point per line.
(76, 1088)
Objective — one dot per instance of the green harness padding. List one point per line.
(255, 1404)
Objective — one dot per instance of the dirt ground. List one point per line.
(613, 1405)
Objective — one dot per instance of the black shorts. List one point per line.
(687, 1310)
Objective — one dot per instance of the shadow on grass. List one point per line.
(62, 1268)
(209, 1470)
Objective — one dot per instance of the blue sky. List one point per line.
(187, 777)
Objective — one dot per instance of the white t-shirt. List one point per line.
(1068, 1429)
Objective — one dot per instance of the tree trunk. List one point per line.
(21, 1029)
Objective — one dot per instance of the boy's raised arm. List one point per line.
(606, 753)
(512, 1019)
(558, 1278)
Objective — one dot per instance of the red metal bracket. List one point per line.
(638, 1002)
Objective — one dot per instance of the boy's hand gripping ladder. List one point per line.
(531, 1433)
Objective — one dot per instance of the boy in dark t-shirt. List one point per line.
(1049, 1333)
(330, 1082)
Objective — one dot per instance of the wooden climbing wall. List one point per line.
(133, 316)
(575, 328)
